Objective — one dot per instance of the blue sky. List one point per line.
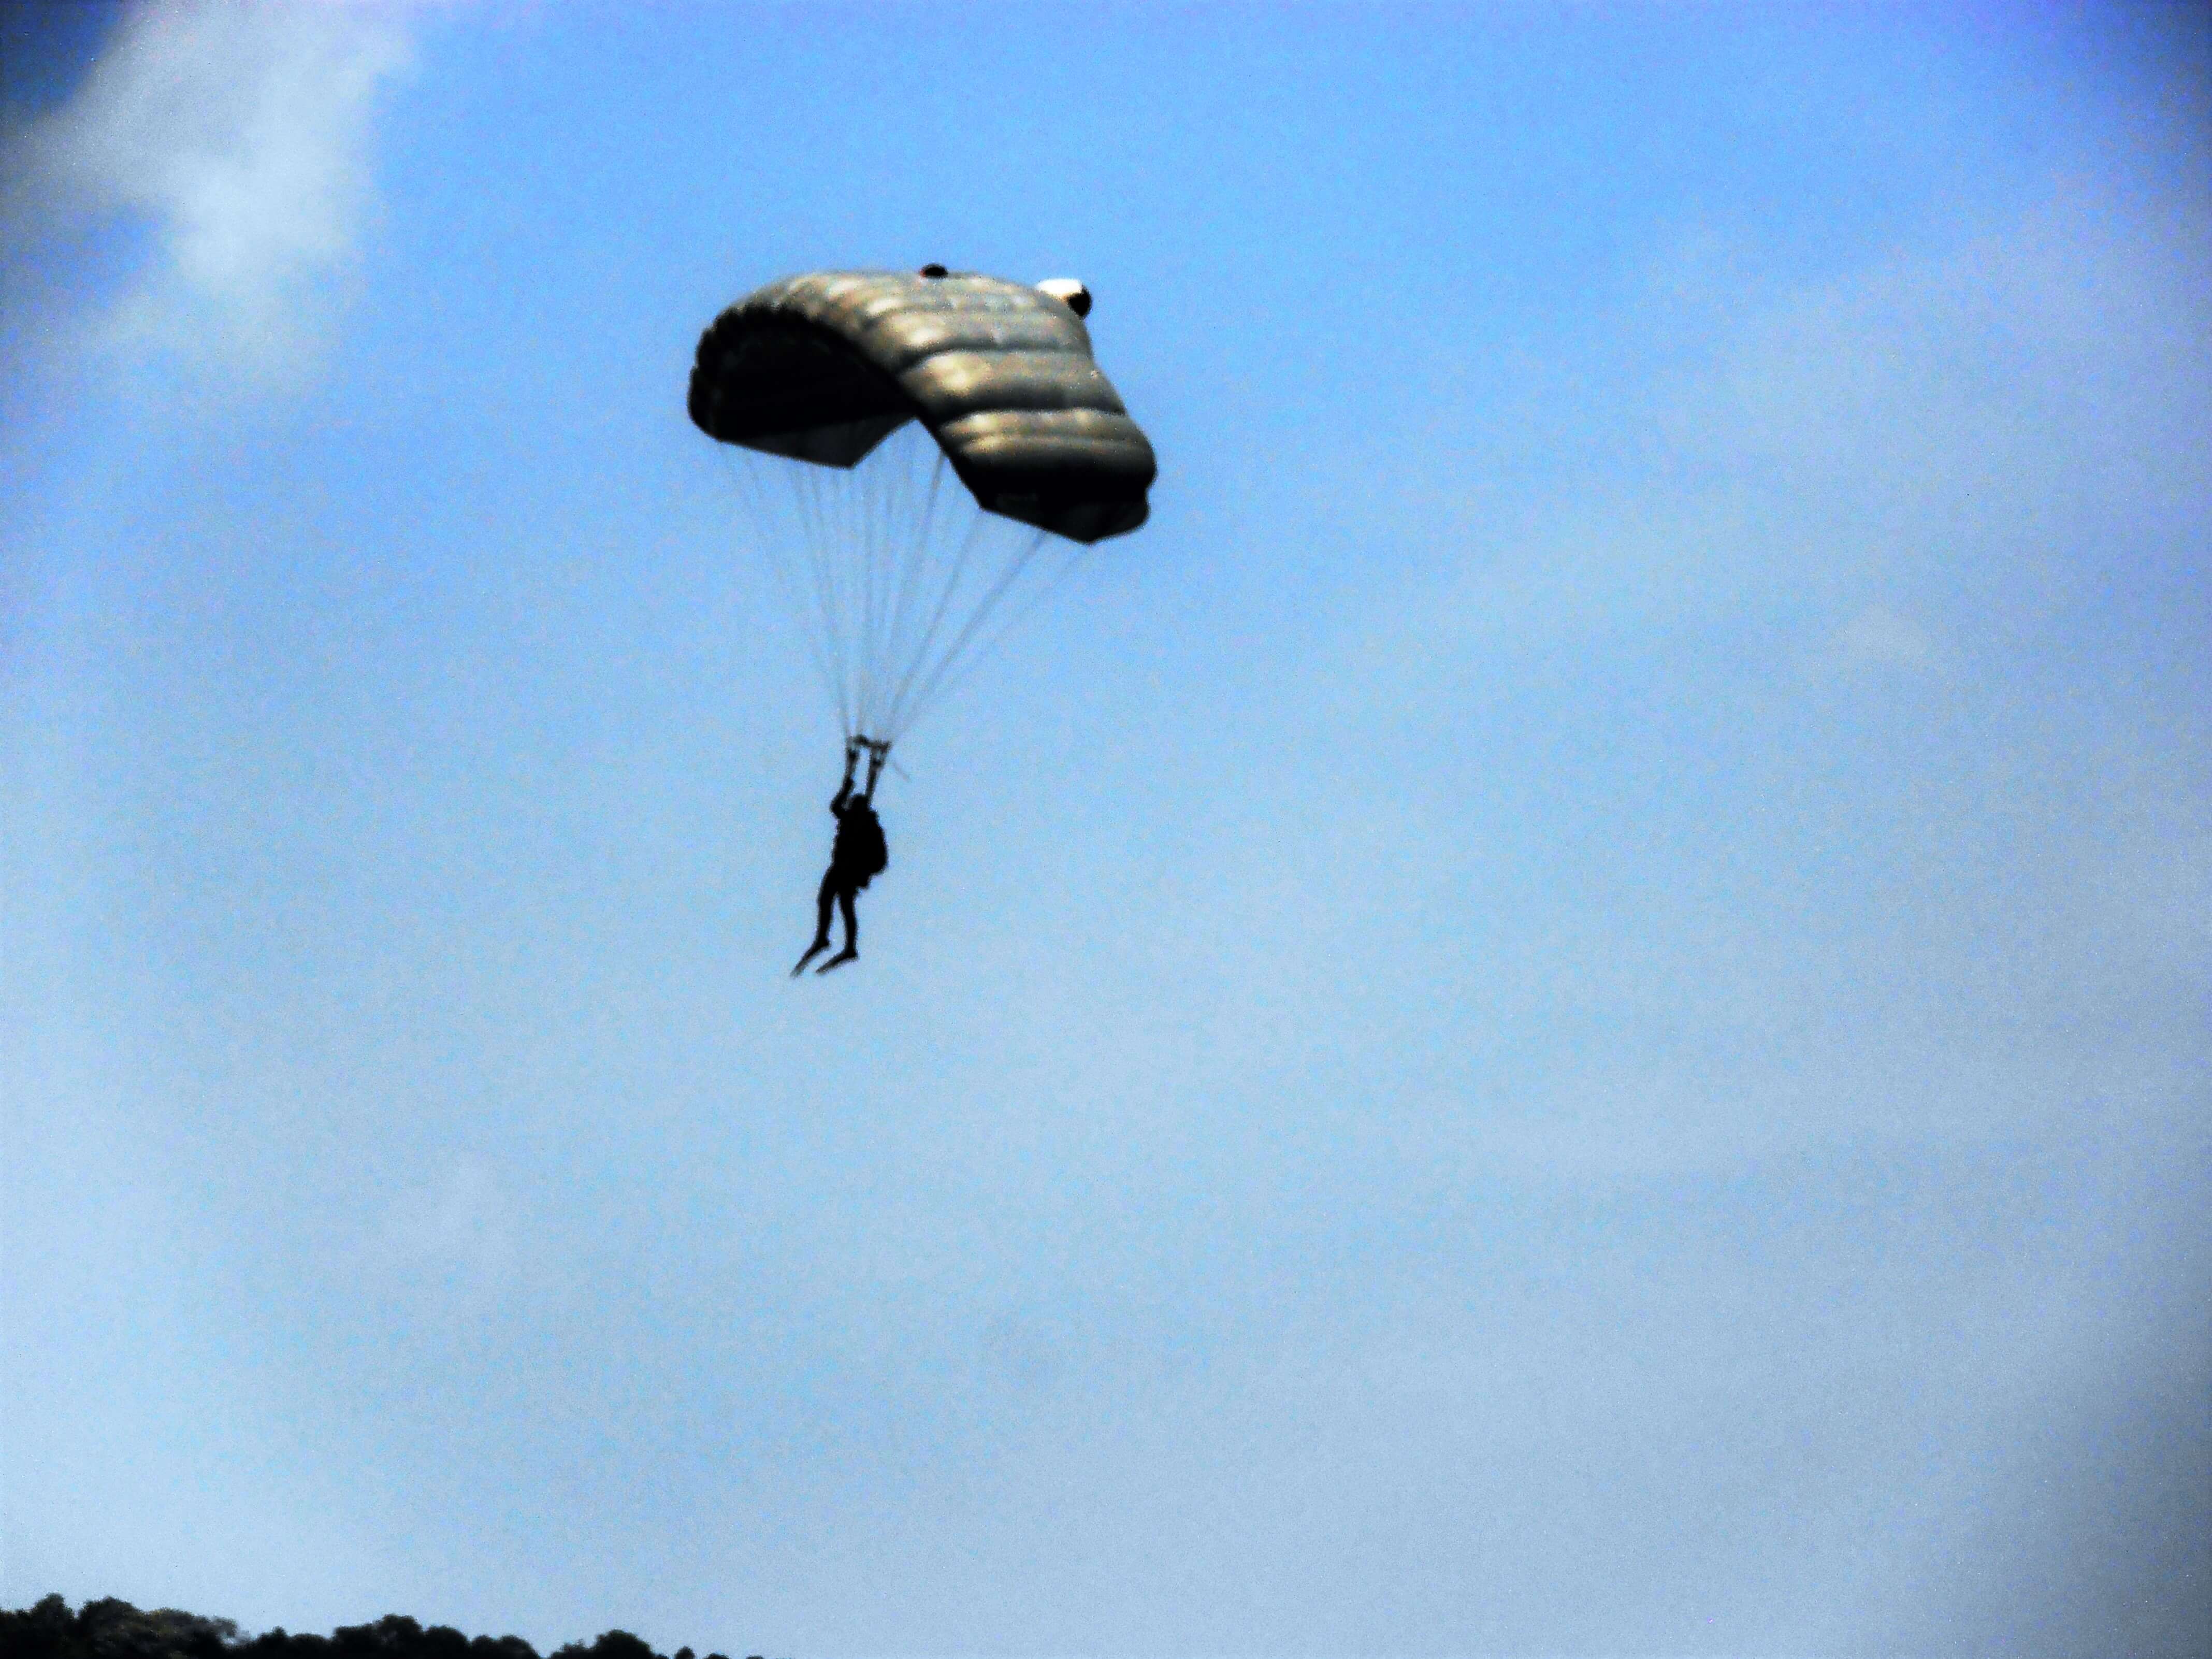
(1564, 1011)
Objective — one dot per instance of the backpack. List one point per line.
(867, 856)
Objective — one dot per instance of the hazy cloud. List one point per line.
(1856, 524)
(1880, 638)
(1995, 415)
(236, 138)
(457, 1233)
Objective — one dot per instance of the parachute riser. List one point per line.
(879, 755)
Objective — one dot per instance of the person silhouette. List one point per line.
(857, 857)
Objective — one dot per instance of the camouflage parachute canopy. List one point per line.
(824, 366)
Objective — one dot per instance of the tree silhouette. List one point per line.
(111, 1629)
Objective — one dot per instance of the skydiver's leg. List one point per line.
(852, 950)
(822, 900)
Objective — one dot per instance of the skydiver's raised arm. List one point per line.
(845, 789)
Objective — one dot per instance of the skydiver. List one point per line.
(857, 857)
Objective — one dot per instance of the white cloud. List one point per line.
(238, 136)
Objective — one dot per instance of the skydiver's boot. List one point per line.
(848, 954)
(812, 951)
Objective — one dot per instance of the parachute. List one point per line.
(914, 451)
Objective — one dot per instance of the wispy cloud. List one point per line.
(1989, 417)
(1853, 532)
(236, 140)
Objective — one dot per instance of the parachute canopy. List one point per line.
(822, 367)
